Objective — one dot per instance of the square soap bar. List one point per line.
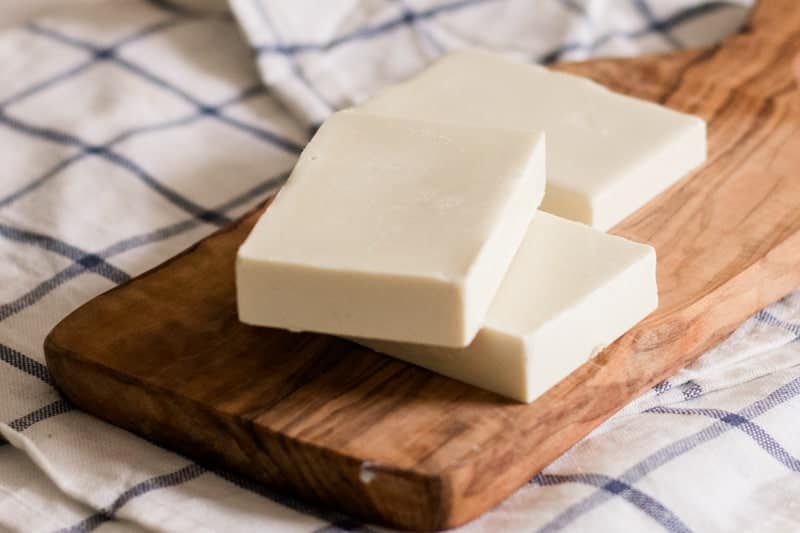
(607, 154)
(392, 229)
(570, 291)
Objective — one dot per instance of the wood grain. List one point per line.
(165, 356)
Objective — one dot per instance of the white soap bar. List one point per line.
(607, 154)
(570, 291)
(392, 229)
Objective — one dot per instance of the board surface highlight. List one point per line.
(165, 356)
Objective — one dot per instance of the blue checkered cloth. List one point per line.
(130, 130)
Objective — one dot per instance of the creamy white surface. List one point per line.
(393, 229)
(570, 291)
(607, 154)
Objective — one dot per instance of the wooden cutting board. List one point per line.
(164, 355)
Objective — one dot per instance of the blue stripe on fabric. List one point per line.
(259, 189)
(759, 435)
(74, 270)
(770, 319)
(263, 134)
(662, 386)
(169, 6)
(22, 362)
(49, 82)
(420, 30)
(140, 130)
(133, 132)
(77, 69)
(121, 161)
(124, 136)
(148, 238)
(216, 112)
(180, 227)
(41, 180)
(691, 390)
(62, 38)
(370, 31)
(40, 291)
(103, 151)
(688, 14)
(89, 523)
(672, 451)
(107, 513)
(644, 8)
(58, 407)
(36, 369)
(206, 215)
(189, 12)
(41, 132)
(575, 7)
(147, 31)
(157, 81)
(297, 70)
(193, 471)
(662, 26)
(110, 55)
(645, 503)
(17, 359)
(336, 518)
(88, 261)
(260, 133)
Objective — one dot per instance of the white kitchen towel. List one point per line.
(323, 56)
(130, 129)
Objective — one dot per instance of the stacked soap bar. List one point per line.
(410, 224)
(569, 292)
(392, 229)
(607, 154)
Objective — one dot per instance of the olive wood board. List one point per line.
(165, 356)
